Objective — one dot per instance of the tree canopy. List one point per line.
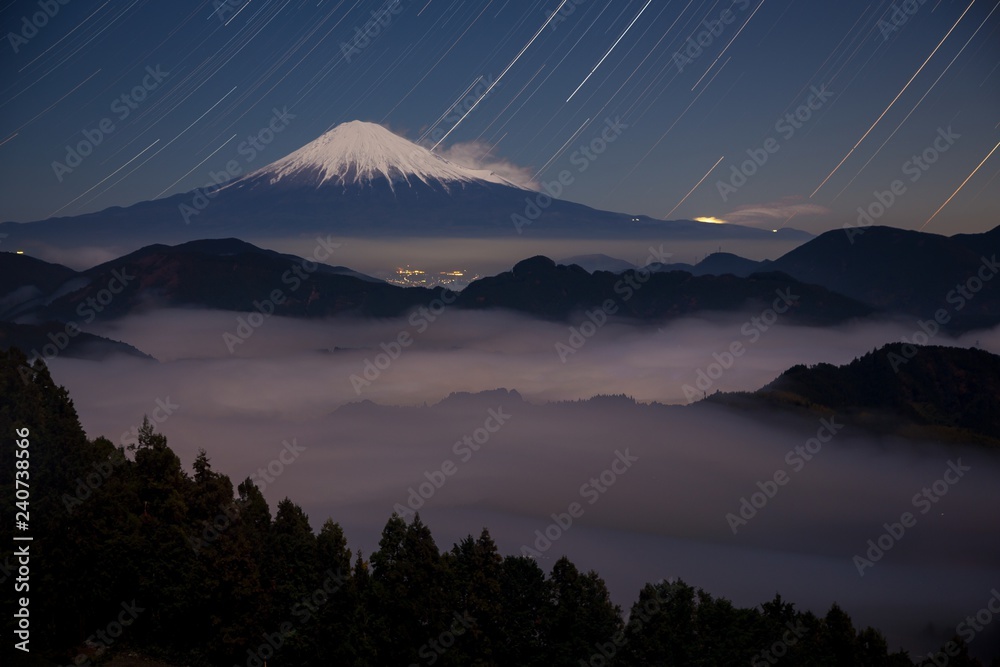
(133, 551)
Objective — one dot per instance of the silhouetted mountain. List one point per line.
(906, 272)
(894, 270)
(540, 287)
(18, 270)
(886, 270)
(52, 339)
(229, 274)
(721, 263)
(939, 392)
(987, 243)
(598, 262)
(226, 274)
(716, 264)
(24, 281)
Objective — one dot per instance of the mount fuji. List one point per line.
(359, 180)
(365, 155)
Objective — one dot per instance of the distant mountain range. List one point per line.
(229, 274)
(939, 281)
(914, 391)
(598, 262)
(716, 264)
(892, 270)
(941, 393)
(359, 179)
(225, 274)
(540, 287)
(907, 272)
(946, 394)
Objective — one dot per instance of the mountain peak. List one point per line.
(359, 152)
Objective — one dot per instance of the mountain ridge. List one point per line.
(925, 392)
(229, 274)
(851, 284)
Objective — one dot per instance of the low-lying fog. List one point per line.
(289, 366)
(664, 515)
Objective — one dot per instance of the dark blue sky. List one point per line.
(222, 68)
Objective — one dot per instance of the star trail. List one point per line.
(521, 82)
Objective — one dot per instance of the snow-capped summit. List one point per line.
(358, 153)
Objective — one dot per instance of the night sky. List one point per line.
(198, 78)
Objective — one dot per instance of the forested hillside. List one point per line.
(134, 551)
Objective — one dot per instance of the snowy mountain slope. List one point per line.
(356, 153)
